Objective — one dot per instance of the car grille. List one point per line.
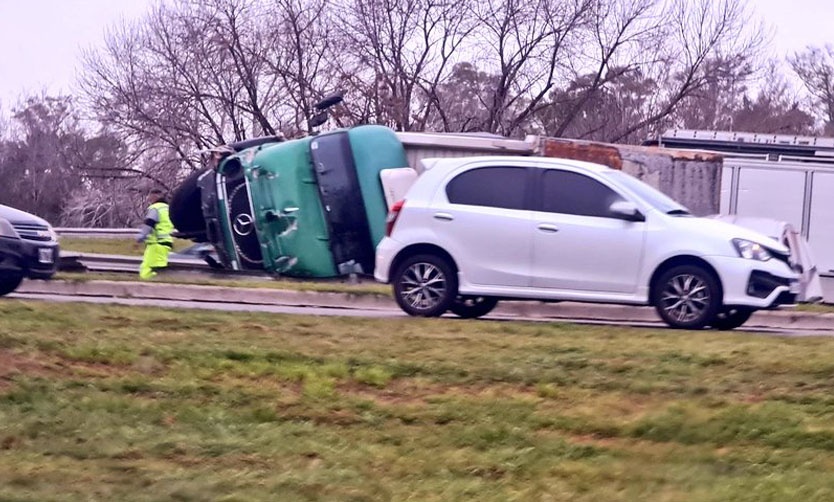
(32, 232)
(761, 283)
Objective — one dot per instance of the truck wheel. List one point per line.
(687, 297)
(185, 209)
(470, 307)
(425, 285)
(731, 318)
(9, 284)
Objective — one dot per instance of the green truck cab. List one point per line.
(310, 207)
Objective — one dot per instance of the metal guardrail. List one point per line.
(107, 262)
(71, 261)
(95, 232)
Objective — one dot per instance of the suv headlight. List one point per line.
(751, 250)
(52, 233)
(7, 230)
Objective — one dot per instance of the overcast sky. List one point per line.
(41, 40)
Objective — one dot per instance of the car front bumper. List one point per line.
(31, 259)
(758, 284)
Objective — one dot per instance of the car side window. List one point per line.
(567, 192)
(502, 187)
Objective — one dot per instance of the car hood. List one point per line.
(17, 216)
(714, 227)
(767, 226)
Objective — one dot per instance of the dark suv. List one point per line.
(28, 248)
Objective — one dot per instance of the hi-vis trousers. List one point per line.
(155, 257)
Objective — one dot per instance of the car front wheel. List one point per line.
(9, 284)
(687, 297)
(470, 307)
(425, 285)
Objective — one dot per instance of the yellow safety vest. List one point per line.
(162, 230)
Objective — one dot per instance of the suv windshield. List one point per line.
(651, 196)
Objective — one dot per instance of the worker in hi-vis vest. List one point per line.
(156, 234)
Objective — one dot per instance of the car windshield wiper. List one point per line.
(678, 212)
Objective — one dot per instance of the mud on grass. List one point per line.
(107, 402)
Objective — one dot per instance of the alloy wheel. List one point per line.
(685, 298)
(423, 286)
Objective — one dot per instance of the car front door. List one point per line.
(483, 219)
(578, 244)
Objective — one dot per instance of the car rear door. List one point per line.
(577, 244)
(482, 217)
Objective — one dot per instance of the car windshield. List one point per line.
(655, 198)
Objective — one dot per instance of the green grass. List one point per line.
(366, 286)
(117, 403)
(107, 245)
(818, 308)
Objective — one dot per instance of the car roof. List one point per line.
(448, 163)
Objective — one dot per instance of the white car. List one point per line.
(472, 231)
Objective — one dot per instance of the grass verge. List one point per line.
(365, 287)
(118, 403)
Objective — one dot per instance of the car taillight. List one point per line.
(392, 217)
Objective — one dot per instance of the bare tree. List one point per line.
(36, 163)
(714, 104)
(526, 44)
(815, 67)
(621, 41)
(698, 33)
(198, 73)
(302, 57)
(192, 75)
(401, 50)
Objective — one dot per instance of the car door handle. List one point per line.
(443, 216)
(544, 227)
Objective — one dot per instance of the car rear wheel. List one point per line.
(425, 285)
(470, 307)
(731, 318)
(687, 297)
(9, 284)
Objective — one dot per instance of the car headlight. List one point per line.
(52, 233)
(751, 250)
(7, 230)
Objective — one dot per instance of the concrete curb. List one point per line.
(784, 319)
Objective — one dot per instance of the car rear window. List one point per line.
(502, 187)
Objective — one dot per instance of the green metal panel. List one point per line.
(375, 148)
(288, 213)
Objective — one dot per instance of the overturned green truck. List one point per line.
(312, 207)
(316, 206)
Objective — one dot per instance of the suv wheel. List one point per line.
(9, 284)
(687, 297)
(425, 285)
(731, 318)
(470, 307)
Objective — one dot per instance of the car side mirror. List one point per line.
(626, 210)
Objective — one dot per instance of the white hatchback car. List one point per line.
(472, 231)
